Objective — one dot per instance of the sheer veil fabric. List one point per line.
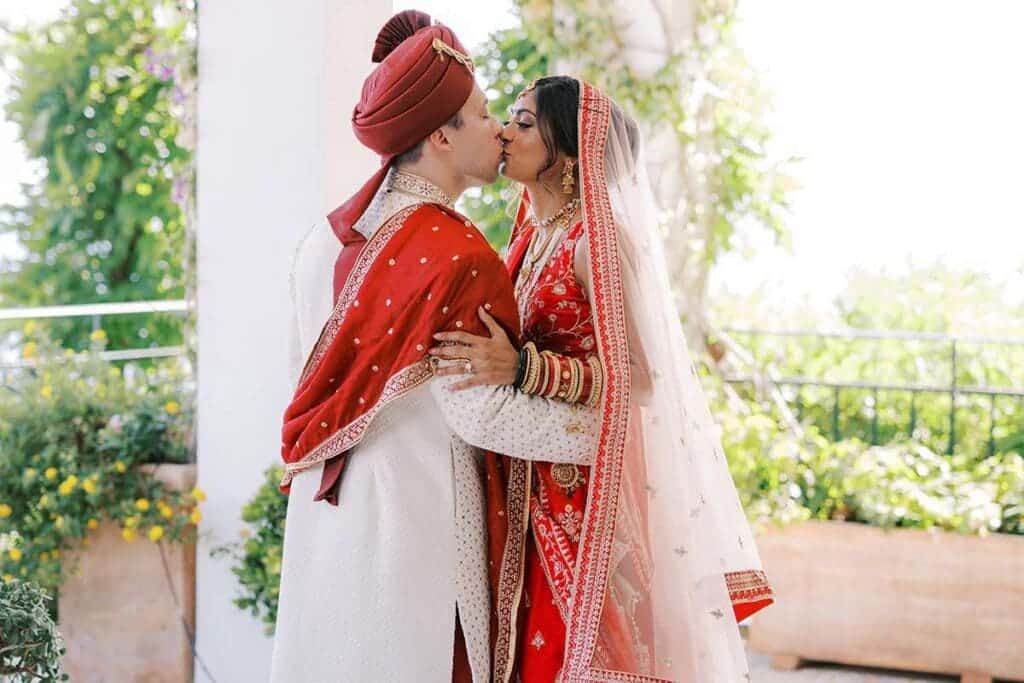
(665, 540)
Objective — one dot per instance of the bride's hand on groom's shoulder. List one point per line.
(484, 360)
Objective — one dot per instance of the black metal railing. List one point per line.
(953, 389)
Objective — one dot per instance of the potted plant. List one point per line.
(890, 556)
(98, 504)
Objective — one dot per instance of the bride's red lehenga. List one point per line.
(624, 570)
(556, 316)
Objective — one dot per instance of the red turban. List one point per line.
(423, 79)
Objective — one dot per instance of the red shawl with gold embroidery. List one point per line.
(427, 269)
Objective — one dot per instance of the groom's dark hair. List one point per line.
(558, 105)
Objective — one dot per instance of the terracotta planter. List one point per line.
(898, 599)
(118, 614)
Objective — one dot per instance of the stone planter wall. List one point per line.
(117, 611)
(900, 599)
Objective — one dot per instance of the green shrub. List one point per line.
(74, 430)
(258, 558)
(30, 646)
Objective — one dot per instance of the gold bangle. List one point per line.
(555, 372)
(528, 369)
(538, 373)
(576, 388)
(597, 381)
(533, 369)
(544, 386)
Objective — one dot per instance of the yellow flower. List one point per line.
(67, 486)
(156, 533)
(142, 504)
(50, 473)
(128, 534)
(46, 391)
(30, 327)
(120, 467)
(199, 494)
(44, 500)
(5, 510)
(44, 557)
(98, 336)
(172, 407)
(166, 511)
(89, 485)
(59, 522)
(8, 578)
(14, 553)
(29, 350)
(30, 473)
(196, 516)
(131, 522)
(92, 523)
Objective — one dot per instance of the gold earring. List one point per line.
(568, 182)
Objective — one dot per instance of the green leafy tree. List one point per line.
(699, 103)
(97, 96)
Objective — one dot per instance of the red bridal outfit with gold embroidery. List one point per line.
(556, 317)
(635, 568)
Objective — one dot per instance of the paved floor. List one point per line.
(761, 672)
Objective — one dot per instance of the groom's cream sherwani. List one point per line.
(370, 588)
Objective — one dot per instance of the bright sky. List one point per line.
(906, 114)
(909, 116)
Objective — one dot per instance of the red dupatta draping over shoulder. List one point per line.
(425, 270)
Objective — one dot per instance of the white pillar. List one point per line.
(277, 83)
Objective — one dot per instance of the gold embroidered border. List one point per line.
(748, 586)
(610, 330)
(605, 676)
(353, 283)
(510, 577)
(400, 384)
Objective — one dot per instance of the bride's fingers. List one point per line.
(460, 337)
(449, 370)
(454, 352)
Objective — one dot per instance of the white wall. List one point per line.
(277, 84)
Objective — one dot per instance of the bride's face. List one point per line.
(525, 154)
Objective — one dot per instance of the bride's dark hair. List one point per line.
(558, 107)
(558, 104)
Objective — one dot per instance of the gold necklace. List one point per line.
(568, 208)
(554, 225)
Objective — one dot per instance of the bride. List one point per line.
(637, 567)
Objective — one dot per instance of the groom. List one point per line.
(384, 575)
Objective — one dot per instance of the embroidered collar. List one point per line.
(410, 183)
(400, 190)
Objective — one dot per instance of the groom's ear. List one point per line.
(439, 140)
